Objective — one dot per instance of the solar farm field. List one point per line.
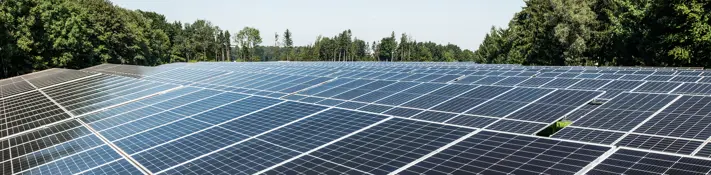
(356, 118)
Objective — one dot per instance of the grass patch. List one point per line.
(555, 127)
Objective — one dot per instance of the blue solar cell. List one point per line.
(78, 162)
(389, 145)
(208, 103)
(271, 117)
(588, 75)
(626, 161)
(118, 167)
(513, 126)
(150, 138)
(511, 81)
(560, 83)
(312, 165)
(625, 111)
(489, 80)
(173, 153)
(659, 78)
(535, 81)
(680, 146)
(688, 79)
(402, 112)
(633, 77)
(499, 153)
(471, 121)
(244, 158)
(434, 116)
(588, 135)
(320, 129)
(657, 87)
(693, 89)
(688, 117)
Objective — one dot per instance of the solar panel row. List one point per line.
(354, 118)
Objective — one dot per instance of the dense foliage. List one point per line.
(345, 47)
(41, 34)
(604, 32)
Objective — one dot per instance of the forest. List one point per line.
(42, 34)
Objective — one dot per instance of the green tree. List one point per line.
(248, 39)
(288, 43)
(387, 47)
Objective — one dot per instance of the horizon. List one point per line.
(460, 22)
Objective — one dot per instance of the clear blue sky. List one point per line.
(460, 22)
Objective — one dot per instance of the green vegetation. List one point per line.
(41, 34)
(555, 127)
(604, 32)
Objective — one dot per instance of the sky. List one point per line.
(460, 22)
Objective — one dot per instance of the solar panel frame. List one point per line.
(498, 153)
(627, 161)
(269, 78)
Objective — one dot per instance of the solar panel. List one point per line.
(434, 116)
(560, 83)
(469, 79)
(29, 111)
(705, 151)
(375, 108)
(410, 93)
(325, 117)
(470, 121)
(385, 91)
(626, 161)
(438, 96)
(514, 126)
(14, 86)
(609, 76)
(616, 87)
(588, 75)
(693, 89)
(403, 112)
(588, 135)
(489, 80)
(624, 112)
(535, 82)
(320, 129)
(509, 102)
(498, 153)
(589, 84)
(56, 76)
(688, 79)
(389, 145)
(554, 106)
(657, 87)
(659, 78)
(511, 81)
(312, 165)
(673, 145)
(470, 99)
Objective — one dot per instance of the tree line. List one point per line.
(346, 47)
(604, 33)
(42, 34)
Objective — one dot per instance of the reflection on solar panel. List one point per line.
(499, 153)
(625, 161)
(624, 112)
(355, 118)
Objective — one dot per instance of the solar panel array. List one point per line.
(355, 118)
